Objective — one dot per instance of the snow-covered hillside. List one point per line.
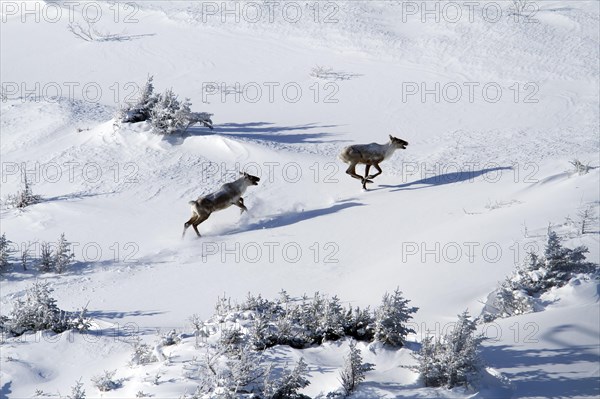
(495, 107)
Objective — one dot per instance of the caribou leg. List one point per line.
(194, 221)
(188, 224)
(199, 220)
(352, 172)
(240, 204)
(379, 171)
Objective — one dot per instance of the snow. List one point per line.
(444, 222)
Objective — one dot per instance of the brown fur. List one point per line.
(369, 155)
(229, 194)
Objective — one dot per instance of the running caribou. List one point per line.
(370, 155)
(229, 194)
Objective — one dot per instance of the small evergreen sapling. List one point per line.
(106, 381)
(538, 274)
(588, 220)
(77, 391)
(24, 197)
(63, 256)
(38, 312)
(359, 324)
(451, 360)
(47, 259)
(561, 263)
(25, 256)
(142, 353)
(288, 385)
(354, 371)
(165, 112)
(4, 253)
(391, 318)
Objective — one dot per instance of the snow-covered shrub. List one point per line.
(588, 220)
(170, 115)
(77, 391)
(90, 33)
(231, 338)
(331, 321)
(312, 320)
(4, 253)
(170, 338)
(57, 258)
(47, 260)
(538, 274)
(63, 255)
(451, 360)
(38, 312)
(106, 381)
(25, 254)
(561, 263)
(165, 112)
(510, 300)
(24, 197)
(142, 353)
(244, 370)
(579, 167)
(262, 334)
(391, 318)
(298, 325)
(287, 386)
(359, 324)
(520, 6)
(140, 110)
(354, 370)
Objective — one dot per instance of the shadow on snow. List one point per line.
(267, 131)
(447, 178)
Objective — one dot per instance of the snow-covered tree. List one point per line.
(231, 339)
(170, 115)
(354, 371)
(391, 318)
(170, 338)
(431, 366)
(518, 293)
(140, 110)
(561, 263)
(165, 112)
(331, 320)
(510, 301)
(245, 370)
(77, 391)
(588, 220)
(4, 253)
(47, 259)
(451, 360)
(106, 381)
(63, 256)
(38, 311)
(463, 351)
(25, 253)
(142, 353)
(262, 334)
(288, 385)
(24, 197)
(359, 324)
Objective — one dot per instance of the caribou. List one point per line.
(229, 194)
(369, 155)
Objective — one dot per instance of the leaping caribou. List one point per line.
(229, 194)
(370, 155)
